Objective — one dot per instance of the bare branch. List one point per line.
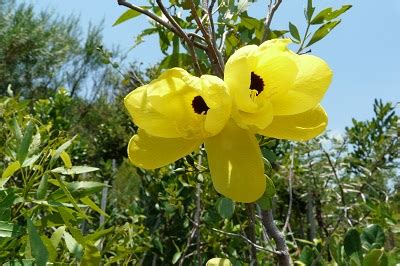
(197, 219)
(195, 232)
(273, 231)
(258, 247)
(326, 245)
(149, 14)
(267, 24)
(335, 174)
(183, 36)
(290, 191)
(209, 39)
(251, 233)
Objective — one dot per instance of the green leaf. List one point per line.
(352, 244)
(265, 202)
(50, 248)
(129, 14)
(74, 170)
(269, 155)
(328, 14)
(93, 206)
(60, 149)
(77, 189)
(376, 257)
(17, 130)
(277, 34)
(321, 16)
(6, 229)
(66, 159)
(176, 60)
(5, 206)
(338, 12)
(73, 246)
(91, 256)
(373, 237)
(30, 160)
(67, 193)
(294, 32)
(176, 257)
(25, 143)
(56, 236)
(306, 255)
(310, 10)
(38, 249)
(270, 190)
(322, 32)
(99, 234)
(147, 32)
(42, 188)
(335, 250)
(225, 207)
(10, 170)
(70, 218)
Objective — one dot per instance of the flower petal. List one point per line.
(300, 127)
(313, 79)
(151, 152)
(236, 164)
(238, 70)
(144, 116)
(254, 121)
(176, 105)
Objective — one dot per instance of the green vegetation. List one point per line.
(62, 154)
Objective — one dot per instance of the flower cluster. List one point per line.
(267, 90)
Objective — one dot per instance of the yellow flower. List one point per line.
(277, 92)
(176, 113)
(268, 90)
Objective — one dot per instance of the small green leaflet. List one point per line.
(129, 14)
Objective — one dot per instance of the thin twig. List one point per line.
(149, 14)
(267, 24)
(335, 174)
(290, 191)
(326, 242)
(158, 19)
(251, 233)
(273, 231)
(194, 35)
(183, 35)
(208, 37)
(213, 37)
(195, 232)
(197, 219)
(258, 247)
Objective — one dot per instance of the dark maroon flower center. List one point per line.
(199, 105)
(256, 83)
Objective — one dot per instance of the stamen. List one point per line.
(199, 105)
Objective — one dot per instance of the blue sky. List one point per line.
(362, 51)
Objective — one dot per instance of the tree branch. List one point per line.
(290, 191)
(258, 247)
(281, 247)
(339, 184)
(157, 19)
(207, 32)
(251, 233)
(183, 36)
(267, 24)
